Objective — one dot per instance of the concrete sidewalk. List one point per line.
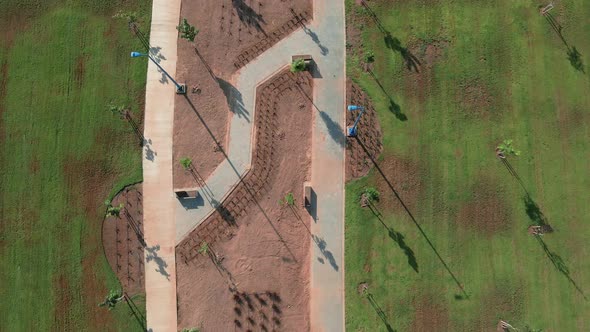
(327, 168)
(159, 220)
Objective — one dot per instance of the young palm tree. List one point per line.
(130, 16)
(298, 66)
(113, 211)
(204, 249)
(288, 200)
(505, 148)
(187, 31)
(116, 109)
(371, 194)
(369, 57)
(112, 299)
(186, 163)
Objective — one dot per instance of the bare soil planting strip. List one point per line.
(253, 240)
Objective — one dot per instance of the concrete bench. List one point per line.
(307, 196)
(186, 194)
(305, 57)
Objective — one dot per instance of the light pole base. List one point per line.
(181, 89)
(351, 131)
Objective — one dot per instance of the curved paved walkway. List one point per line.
(158, 199)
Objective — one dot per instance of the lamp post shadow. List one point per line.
(396, 194)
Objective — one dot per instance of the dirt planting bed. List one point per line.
(231, 34)
(123, 240)
(254, 274)
(368, 143)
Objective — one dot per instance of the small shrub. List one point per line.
(112, 299)
(288, 200)
(298, 66)
(369, 57)
(187, 31)
(186, 163)
(113, 211)
(506, 148)
(371, 194)
(204, 248)
(130, 16)
(116, 109)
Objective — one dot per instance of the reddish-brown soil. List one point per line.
(61, 310)
(486, 211)
(123, 239)
(430, 315)
(420, 58)
(502, 302)
(405, 178)
(367, 146)
(256, 274)
(232, 33)
(474, 100)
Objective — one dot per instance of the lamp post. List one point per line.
(180, 88)
(351, 130)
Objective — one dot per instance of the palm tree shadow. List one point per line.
(396, 110)
(534, 212)
(412, 63)
(319, 241)
(538, 218)
(573, 55)
(380, 312)
(248, 15)
(403, 204)
(398, 238)
(394, 44)
(153, 255)
(575, 59)
(393, 106)
(334, 129)
(234, 99)
(559, 264)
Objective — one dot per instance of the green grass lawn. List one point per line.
(61, 155)
(488, 71)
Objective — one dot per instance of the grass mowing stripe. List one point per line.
(505, 53)
(60, 146)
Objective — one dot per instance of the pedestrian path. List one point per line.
(159, 202)
(327, 170)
